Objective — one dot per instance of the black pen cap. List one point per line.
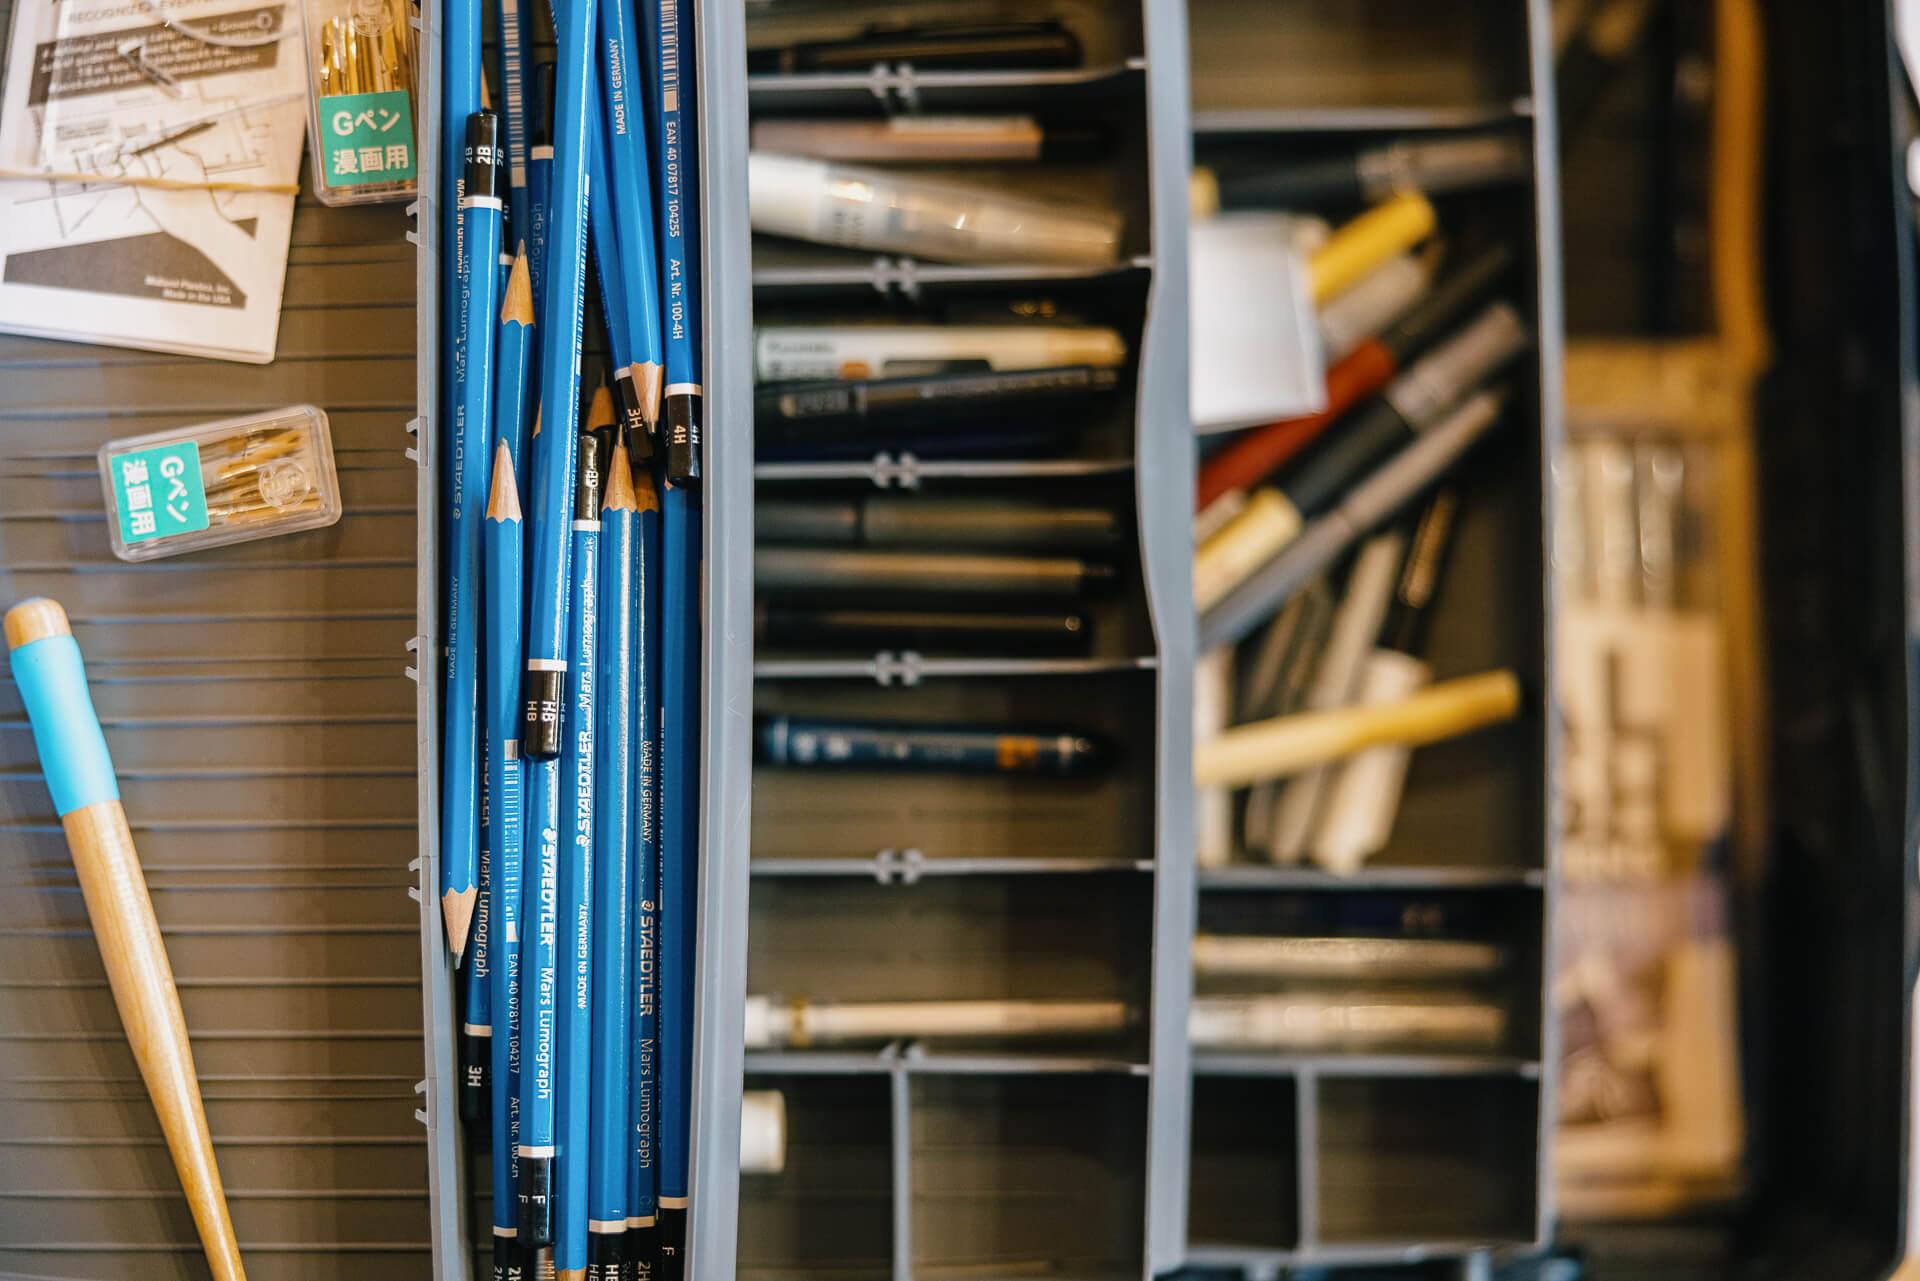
(1410, 611)
(485, 159)
(1456, 293)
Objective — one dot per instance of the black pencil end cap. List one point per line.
(536, 1201)
(508, 1262)
(544, 694)
(643, 1254)
(475, 1052)
(673, 1245)
(680, 425)
(605, 1254)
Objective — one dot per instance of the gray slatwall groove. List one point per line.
(255, 702)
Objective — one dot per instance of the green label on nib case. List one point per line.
(366, 138)
(158, 492)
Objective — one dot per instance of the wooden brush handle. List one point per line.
(73, 755)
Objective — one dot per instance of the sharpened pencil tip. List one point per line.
(503, 500)
(457, 906)
(600, 411)
(619, 494)
(648, 378)
(646, 496)
(518, 304)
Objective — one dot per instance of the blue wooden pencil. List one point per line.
(480, 209)
(544, 690)
(669, 97)
(476, 986)
(679, 859)
(539, 174)
(614, 833)
(643, 1244)
(505, 550)
(630, 196)
(460, 83)
(515, 67)
(602, 234)
(540, 995)
(574, 1106)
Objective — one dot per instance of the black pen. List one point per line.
(810, 569)
(888, 521)
(845, 409)
(974, 631)
(996, 46)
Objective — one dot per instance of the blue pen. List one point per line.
(679, 859)
(612, 868)
(669, 95)
(574, 1107)
(630, 196)
(643, 1244)
(544, 691)
(460, 758)
(505, 549)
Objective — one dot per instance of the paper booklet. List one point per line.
(180, 93)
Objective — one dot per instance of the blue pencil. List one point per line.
(540, 994)
(544, 690)
(574, 1107)
(459, 98)
(515, 63)
(630, 195)
(505, 548)
(476, 986)
(539, 174)
(669, 94)
(679, 858)
(643, 1146)
(480, 210)
(612, 867)
(602, 235)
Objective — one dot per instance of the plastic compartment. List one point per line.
(1119, 631)
(1104, 816)
(1243, 1181)
(1049, 937)
(1028, 1176)
(1427, 1160)
(1117, 181)
(1507, 916)
(831, 1211)
(1395, 62)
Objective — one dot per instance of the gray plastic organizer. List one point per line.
(910, 1161)
(1305, 1160)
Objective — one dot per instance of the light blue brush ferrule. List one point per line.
(66, 732)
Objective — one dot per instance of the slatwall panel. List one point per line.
(255, 702)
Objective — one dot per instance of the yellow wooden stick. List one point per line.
(1289, 744)
(73, 755)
